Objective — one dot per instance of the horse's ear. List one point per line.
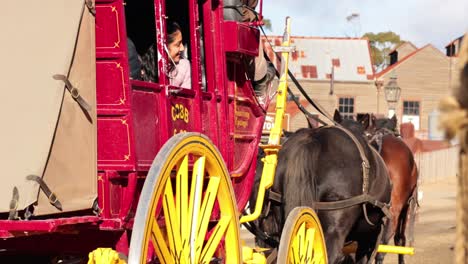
(337, 116)
(365, 121)
(373, 122)
(287, 133)
(394, 119)
(312, 123)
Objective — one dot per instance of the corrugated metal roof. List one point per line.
(314, 57)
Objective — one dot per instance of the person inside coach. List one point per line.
(179, 72)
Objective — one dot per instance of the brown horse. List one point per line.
(402, 171)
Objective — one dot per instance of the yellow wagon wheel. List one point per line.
(187, 211)
(302, 239)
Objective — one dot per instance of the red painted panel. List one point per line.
(103, 200)
(145, 108)
(244, 119)
(114, 141)
(110, 83)
(116, 194)
(240, 37)
(210, 117)
(108, 30)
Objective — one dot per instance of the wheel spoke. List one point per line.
(159, 244)
(309, 244)
(195, 202)
(182, 204)
(299, 242)
(212, 243)
(206, 209)
(172, 223)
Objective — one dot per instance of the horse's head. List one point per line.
(368, 123)
(354, 126)
(387, 124)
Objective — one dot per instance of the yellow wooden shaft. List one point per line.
(275, 134)
(273, 146)
(395, 249)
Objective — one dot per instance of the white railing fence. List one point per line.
(437, 165)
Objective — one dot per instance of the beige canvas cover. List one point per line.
(45, 132)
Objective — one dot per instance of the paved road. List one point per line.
(435, 226)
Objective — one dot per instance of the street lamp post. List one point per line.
(379, 83)
(392, 94)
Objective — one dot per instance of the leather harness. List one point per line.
(364, 198)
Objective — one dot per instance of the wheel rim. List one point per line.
(302, 238)
(177, 203)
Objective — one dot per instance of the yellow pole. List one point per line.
(395, 249)
(273, 146)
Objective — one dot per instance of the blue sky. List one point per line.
(420, 21)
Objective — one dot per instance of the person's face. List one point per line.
(176, 47)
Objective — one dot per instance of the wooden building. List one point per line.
(425, 76)
(338, 74)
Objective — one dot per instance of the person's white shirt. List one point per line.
(181, 74)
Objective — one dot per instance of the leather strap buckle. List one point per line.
(53, 199)
(74, 92)
(14, 205)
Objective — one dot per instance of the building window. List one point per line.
(411, 108)
(309, 71)
(336, 62)
(393, 57)
(346, 107)
(450, 50)
(411, 113)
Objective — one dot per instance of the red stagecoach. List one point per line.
(96, 161)
(80, 137)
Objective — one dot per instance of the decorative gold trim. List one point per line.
(124, 94)
(124, 122)
(116, 44)
(102, 192)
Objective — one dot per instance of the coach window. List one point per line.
(141, 39)
(181, 13)
(346, 107)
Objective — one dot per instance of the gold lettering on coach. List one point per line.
(180, 112)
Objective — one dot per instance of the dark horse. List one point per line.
(325, 165)
(402, 171)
